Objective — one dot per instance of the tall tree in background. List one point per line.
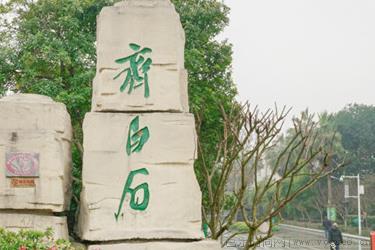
(210, 81)
(49, 49)
(356, 125)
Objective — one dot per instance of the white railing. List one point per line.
(322, 232)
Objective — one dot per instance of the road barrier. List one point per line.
(372, 236)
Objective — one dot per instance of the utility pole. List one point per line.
(329, 195)
(359, 206)
(360, 190)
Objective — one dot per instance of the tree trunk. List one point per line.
(308, 216)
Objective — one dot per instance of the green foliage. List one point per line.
(303, 204)
(371, 221)
(229, 200)
(49, 49)
(52, 52)
(210, 78)
(239, 227)
(29, 240)
(356, 125)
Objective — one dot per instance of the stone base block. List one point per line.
(16, 221)
(196, 245)
(151, 193)
(173, 210)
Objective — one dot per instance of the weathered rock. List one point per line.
(195, 245)
(174, 208)
(35, 135)
(16, 221)
(152, 24)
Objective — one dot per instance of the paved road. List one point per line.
(290, 238)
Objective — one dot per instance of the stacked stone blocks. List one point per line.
(35, 155)
(139, 140)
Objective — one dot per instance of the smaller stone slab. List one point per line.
(195, 245)
(16, 221)
(35, 155)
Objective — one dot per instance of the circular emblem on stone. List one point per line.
(22, 165)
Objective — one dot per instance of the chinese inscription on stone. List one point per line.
(135, 142)
(136, 137)
(136, 74)
(134, 201)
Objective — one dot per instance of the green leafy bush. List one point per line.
(239, 227)
(31, 240)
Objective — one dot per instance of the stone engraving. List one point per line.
(134, 200)
(137, 73)
(136, 137)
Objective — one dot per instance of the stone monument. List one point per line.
(139, 187)
(35, 156)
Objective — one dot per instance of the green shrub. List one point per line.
(31, 240)
(240, 227)
(353, 220)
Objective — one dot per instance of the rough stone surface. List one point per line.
(149, 23)
(36, 124)
(17, 221)
(174, 210)
(196, 245)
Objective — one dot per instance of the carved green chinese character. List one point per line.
(137, 73)
(134, 201)
(136, 137)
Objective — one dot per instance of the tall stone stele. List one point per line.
(139, 140)
(35, 160)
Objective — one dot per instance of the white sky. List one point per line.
(318, 54)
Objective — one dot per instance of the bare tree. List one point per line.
(247, 136)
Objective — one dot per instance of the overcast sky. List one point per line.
(318, 54)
